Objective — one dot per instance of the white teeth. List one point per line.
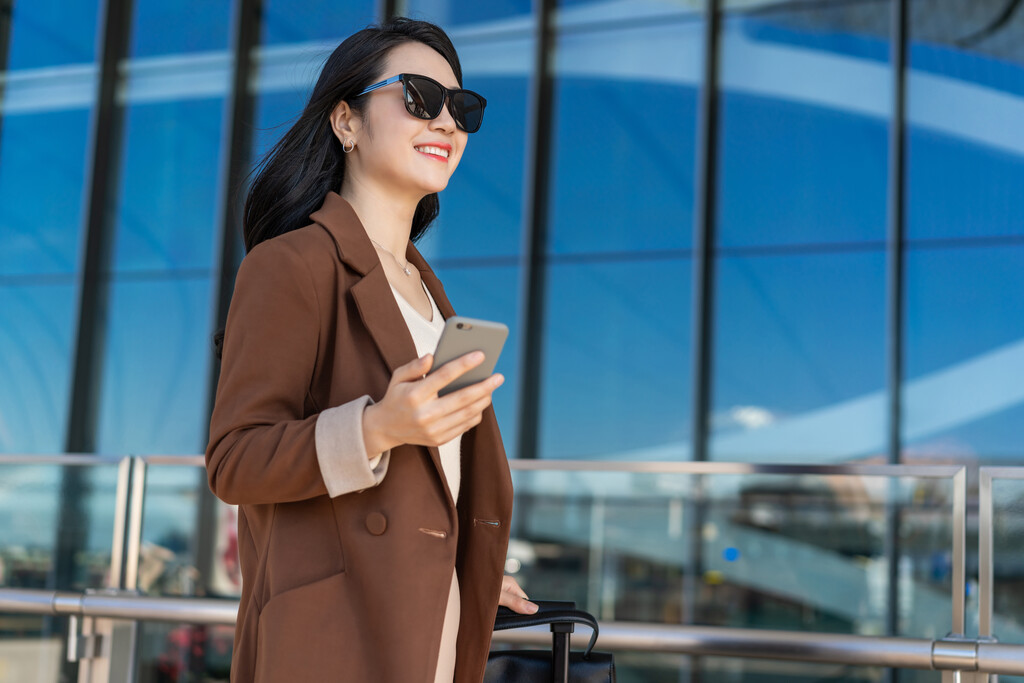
(433, 150)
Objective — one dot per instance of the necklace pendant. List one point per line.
(406, 269)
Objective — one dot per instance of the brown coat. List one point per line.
(350, 588)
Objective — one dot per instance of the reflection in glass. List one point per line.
(35, 364)
(965, 99)
(481, 210)
(208, 26)
(616, 362)
(622, 180)
(167, 207)
(804, 119)
(460, 13)
(51, 32)
(155, 367)
(1007, 538)
(492, 293)
(964, 340)
(792, 552)
(42, 169)
(30, 502)
(291, 21)
(173, 562)
(799, 363)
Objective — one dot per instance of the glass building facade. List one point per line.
(757, 231)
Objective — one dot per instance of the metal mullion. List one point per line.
(236, 159)
(93, 290)
(387, 9)
(703, 297)
(894, 297)
(533, 274)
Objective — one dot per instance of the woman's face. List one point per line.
(397, 153)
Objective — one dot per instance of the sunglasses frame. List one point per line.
(446, 101)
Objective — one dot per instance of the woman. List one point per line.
(374, 516)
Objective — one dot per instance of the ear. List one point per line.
(345, 123)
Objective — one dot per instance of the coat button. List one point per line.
(376, 523)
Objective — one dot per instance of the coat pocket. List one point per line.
(308, 634)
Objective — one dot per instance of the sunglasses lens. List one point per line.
(469, 110)
(423, 98)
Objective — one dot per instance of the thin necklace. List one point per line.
(405, 268)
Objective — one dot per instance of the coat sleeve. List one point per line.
(263, 446)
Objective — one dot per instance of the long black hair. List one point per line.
(290, 182)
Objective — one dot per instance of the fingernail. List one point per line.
(477, 356)
(533, 608)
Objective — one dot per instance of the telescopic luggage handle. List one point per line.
(551, 612)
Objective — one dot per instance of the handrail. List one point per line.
(831, 648)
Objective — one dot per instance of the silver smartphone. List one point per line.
(463, 335)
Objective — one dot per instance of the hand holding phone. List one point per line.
(463, 335)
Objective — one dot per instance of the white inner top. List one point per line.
(425, 334)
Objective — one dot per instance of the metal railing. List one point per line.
(797, 646)
(975, 658)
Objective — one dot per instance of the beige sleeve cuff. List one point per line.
(341, 450)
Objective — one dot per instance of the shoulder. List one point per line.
(308, 249)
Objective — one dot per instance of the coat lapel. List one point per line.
(373, 296)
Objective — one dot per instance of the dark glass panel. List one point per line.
(965, 101)
(155, 366)
(52, 32)
(288, 21)
(616, 360)
(167, 210)
(42, 183)
(35, 363)
(623, 139)
(799, 359)
(161, 27)
(803, 126)
(964, 353)
(491, 292)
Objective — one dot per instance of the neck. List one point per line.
(386, 219)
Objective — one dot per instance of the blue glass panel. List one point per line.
(623, 139)
(51, 32)
(35, 364)
(964, 353)
(799, 359)
(275, 113)
(167, 209)
(803, 139)
(965, 101)
(448, 13)
(42, 171)
(959, 187)
(288, 21)
(481, 211)
(156, 367)
(492, 293)
(195, 26)
(616, 361)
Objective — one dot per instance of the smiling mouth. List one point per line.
(432, 151)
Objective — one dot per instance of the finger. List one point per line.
(451, 370)
(508, 583)
(413, 370)
(517, 604)
(461, 420)
(471, 394)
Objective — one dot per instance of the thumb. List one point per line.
(413, 370)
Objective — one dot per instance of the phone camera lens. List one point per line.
(459, 326)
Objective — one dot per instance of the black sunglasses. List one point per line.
(424, 98)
